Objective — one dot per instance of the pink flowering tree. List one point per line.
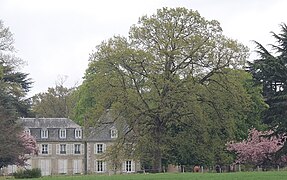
(18, 149)
(258, 149)
(29, 147)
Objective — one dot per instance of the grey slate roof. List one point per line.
(48, 123)
(108, 121)
(101, 132)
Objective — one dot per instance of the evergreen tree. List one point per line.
(13, 87)
(270, 71)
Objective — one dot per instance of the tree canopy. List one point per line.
(174, 79)
(270, 71)
(13, 87)
(57, 102)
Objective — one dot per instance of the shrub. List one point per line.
(28, 173)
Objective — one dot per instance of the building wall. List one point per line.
(108, 167)
(52, 162)
(56, 163)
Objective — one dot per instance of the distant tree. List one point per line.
(270, 71)
(84, 111)
(13, 87)
(258, 149)
(57, 102)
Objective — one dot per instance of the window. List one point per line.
(78, 133)
(63, 166)
(44, 133)
(114, 133)
(99, 148)
(100, 166)
(27, 131)
(77, 149)
(77, 166)
(62, 133)
(44, 148)
(128, 166)
(63, 149)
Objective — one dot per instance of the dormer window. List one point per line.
(27, 131)
(62, 133)
(78, 133)
(114, 133)
(44, 133)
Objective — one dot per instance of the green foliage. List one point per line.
(57, 102)
(85, 102)
(27, 173)
(13, 87)
(270, 71)
(175, 81)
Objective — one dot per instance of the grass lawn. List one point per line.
(272, 175)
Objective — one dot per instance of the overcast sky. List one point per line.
(55, 37)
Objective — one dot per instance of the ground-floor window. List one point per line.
(100, 166)
(62, 166)
(45, 166)
(77, 166)
(128, 166)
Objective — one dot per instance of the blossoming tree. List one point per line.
(19, 150)
(29, 146)
(258, 149)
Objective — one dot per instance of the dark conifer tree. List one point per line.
(270, 70)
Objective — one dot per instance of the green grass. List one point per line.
(271, 175)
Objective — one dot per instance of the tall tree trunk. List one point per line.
(157, 153)
(157, 156)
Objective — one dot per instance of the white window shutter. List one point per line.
(72, 148)
(82, 148)
(49, 148)
(40, 148)
(96, 165)
(133, 166)
(104, 147)
(57, 148)
(68, 149)
(124, 166)
(104, 166)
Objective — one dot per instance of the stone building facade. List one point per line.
(64, 149)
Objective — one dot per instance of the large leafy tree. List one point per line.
(13, 87)
(163, 76)
(270, 71)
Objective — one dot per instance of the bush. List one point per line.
(28, 173)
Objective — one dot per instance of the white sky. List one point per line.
(55, 37)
